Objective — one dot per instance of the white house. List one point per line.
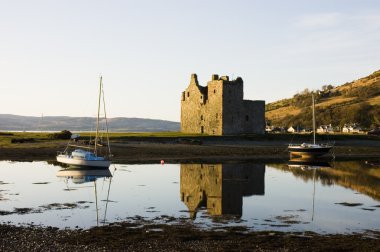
(352, 128)
(325, 129)
(269, 128)
(291, 129)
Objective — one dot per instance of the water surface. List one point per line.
(342, 197)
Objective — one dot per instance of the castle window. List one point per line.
(214, 91)
(201, 117)
(216, 115)
(201, 97)
(246, 118)
(188, 94)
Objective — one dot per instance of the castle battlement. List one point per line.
(219, 108)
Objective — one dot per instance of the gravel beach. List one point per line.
(139, 236)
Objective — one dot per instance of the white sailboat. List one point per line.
(89, 156)
(310, 150)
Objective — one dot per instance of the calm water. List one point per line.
(343, 198)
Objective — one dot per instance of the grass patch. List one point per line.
(41, 139)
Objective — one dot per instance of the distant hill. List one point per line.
(58, 123)
(354, 102)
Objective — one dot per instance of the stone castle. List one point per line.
(219, 108)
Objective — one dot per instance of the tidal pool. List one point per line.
(339, 197)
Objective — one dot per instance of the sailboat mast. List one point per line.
(312, 97)
(97, 119)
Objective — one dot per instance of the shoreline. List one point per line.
(141, 235)
(155, 150)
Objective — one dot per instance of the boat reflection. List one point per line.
(360, 176)
(374, 163)
(82, 175)
(220, 188)
(306, 165)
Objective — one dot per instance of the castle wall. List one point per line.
(192, 103)
(214, 107)
(232, 108)
(254, 116)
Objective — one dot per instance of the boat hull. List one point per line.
(82, 162)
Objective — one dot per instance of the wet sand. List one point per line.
(155, 149)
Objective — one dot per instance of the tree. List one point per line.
(64, 134)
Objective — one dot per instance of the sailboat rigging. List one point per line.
(89, 156)
(308, 150)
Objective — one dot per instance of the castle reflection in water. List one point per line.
(220, 187)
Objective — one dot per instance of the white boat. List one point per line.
(88, 156)
(310, 150)
(81, 157)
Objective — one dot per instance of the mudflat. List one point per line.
(176, 150)
(145, 236)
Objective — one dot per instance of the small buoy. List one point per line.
(162, 162)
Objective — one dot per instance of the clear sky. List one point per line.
(52, 52)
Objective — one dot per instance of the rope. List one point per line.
(105, 116)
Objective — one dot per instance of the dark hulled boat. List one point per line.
(310, 150)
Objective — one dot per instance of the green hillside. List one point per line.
(354, 102)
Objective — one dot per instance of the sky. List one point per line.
(52, 52)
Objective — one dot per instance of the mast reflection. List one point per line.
(220, 187)
(86, 175)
